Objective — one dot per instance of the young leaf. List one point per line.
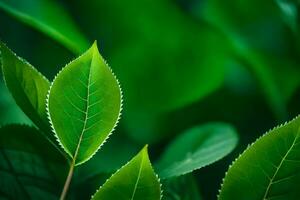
(84, 105)
(48, 17)
(28, 87)
(134, 181)
(28, 170)
(197, 148)
(268, 169)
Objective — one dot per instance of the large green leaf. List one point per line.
(28, 170)
(48, 17)
(268, 169)
(28, 87)
(134, 181)
(197, 148)
(181, 188)
(84, 105)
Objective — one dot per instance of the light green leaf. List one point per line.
(84, 105)
(197, 148)
(28, 87)
(181, 188)
(268, 169)
(28, 170)
(134, 181)
(48, 17)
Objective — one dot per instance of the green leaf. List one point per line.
(28, 87)
(84, 105)
(28, 170)
(181, 188)
(48, 17)
(268, 169)
(134, 181)
(197, 148)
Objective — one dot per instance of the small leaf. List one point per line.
(28, 170)
(197, 148)
(84, 105)
(268, 169)
(28, 87)
(134, 181)
(48, 17)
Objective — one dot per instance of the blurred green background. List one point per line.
(180, 63)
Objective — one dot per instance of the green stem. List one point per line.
(68, 181)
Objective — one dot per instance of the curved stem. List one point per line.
(68, 181)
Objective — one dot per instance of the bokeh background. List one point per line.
(181, 63)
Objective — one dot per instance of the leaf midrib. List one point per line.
(279, 166)
(138, 178)
(86, 113)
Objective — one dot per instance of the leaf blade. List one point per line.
(25, 84)
(196, 148)
(272, 166)
(140, 177)
(84, 105)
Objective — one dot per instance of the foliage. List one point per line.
(193, 74)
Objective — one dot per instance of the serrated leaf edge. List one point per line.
(49, 117)
(125, 165)
(250, 145)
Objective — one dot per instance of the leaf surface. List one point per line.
(28, 170)
(268, 169)
(134, 181)
(84, 105)
(48, 17)
(196, 148)
(28, 87)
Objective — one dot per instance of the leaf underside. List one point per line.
(268, 169)
(134, 181)
(84, 105)
(196, 148)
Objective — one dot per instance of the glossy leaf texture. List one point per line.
(28, 170)
(197, 148)
(84, 105)
(50, 18)
(181, 188)
(268, 169)
(134, 181)
(28, 87)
